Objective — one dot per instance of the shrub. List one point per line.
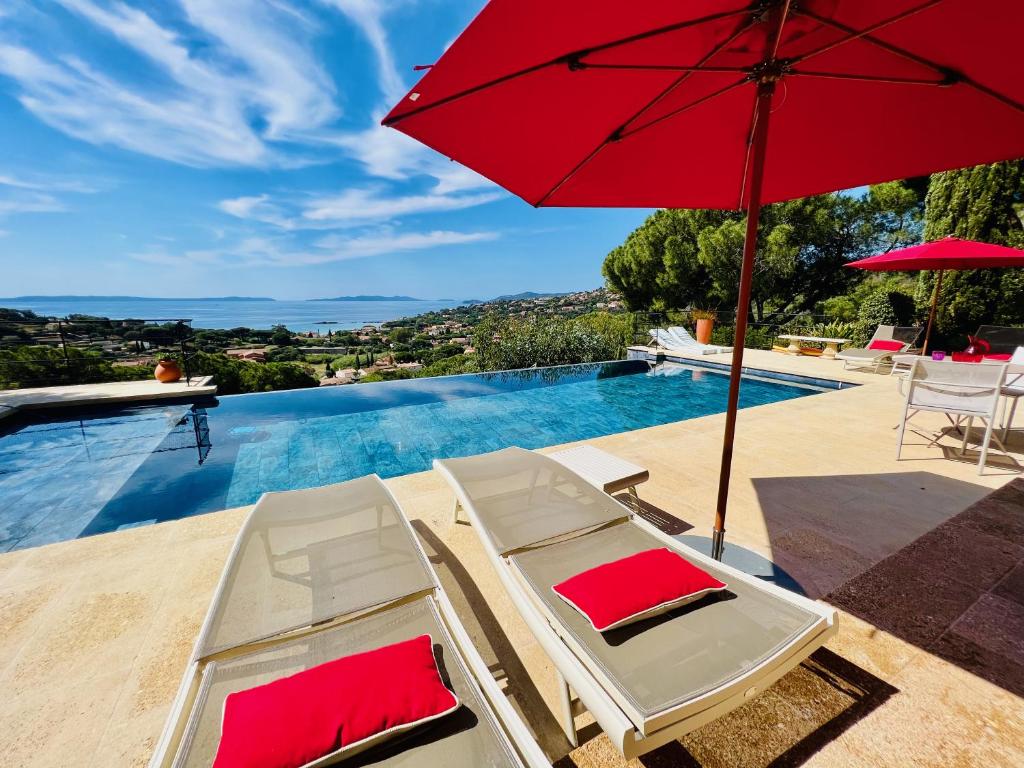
(235, 376)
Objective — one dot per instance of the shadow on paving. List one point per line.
(826, 530)
(794, 719)
(956, 592)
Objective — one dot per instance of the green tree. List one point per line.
(681, 258)
(981, 203)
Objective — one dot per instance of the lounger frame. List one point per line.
(518, 735)
(628, 731)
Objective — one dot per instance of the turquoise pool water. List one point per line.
(70, 474)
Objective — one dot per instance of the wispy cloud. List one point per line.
(284, 252)
(252, 83)
(368, 15)
(352, 207)
(37, 193)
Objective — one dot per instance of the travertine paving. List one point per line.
(13, 400)
(95, 632)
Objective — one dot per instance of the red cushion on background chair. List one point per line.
(636, 587)
(886, 346)
(341, 707)
(997, 356)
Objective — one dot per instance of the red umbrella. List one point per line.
(940, 255)
(663, 103)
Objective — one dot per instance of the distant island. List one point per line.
(134, 298)
(373, 298)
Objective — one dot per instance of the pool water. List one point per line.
(67, 474)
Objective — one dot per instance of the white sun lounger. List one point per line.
(863, 357)
(320, 574)
(651, 682)
(678, 339)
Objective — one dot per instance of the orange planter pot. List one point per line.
(167, 371)
(704, 328)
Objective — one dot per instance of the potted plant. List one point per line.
(167, 370)
(705, 319)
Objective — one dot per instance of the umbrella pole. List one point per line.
(931, 314)
(759, 141)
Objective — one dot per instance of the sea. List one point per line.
(233, 313)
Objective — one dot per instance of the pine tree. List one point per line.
(984, 203)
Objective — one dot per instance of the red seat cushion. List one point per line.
(340, 707)
(636, 587)
(886, 346)
(997, 356)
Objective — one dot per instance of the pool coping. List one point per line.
(83, 395)
(661, 356)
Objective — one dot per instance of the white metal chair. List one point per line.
(964, 390)
(1013, 389)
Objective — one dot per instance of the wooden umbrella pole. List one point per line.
(759, 142)
(931, 313)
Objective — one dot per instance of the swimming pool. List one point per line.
(65, 474)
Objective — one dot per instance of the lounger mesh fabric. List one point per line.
(521, 502)
(309, 556)
(662, 662)
(468, 738)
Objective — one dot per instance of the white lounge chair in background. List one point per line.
(1013, 389)
(319, 574)
(964, 390)
(891, 340)
(678, 339)
(650, 682)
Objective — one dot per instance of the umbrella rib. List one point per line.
(868, 78)
(853, 34)
(619, 135)
(952, 77)
(688, 68)
(572, 59)
(619, 132)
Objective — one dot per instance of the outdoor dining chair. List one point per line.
(963, 390)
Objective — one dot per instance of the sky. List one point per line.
(233, 147)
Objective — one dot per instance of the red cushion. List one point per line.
(886, 346)
(998, 356)
(342, 706)
(966, 357)
(636, 587)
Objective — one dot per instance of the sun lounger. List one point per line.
(678, 339)
(866, 357)
(650, 682)
(319, 574)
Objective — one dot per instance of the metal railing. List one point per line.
(37, 352)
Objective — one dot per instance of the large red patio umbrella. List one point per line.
(938, 256)
(664, 103)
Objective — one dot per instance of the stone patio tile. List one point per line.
(915, 601)
(968, 555)
(1012, 585)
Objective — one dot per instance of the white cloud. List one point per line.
(361, 205)
(37, 193)
(368, 16)
(251, 85)
(282, 252)
(376, 244)
(351, 207)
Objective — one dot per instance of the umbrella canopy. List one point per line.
(940, 255)
(947, 253)
(651, 104)
(664, 103)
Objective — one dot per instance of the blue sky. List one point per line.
(213, 147)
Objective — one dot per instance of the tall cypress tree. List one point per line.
(983, 203)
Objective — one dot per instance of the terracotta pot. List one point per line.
(704, 328)
(167, 371)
